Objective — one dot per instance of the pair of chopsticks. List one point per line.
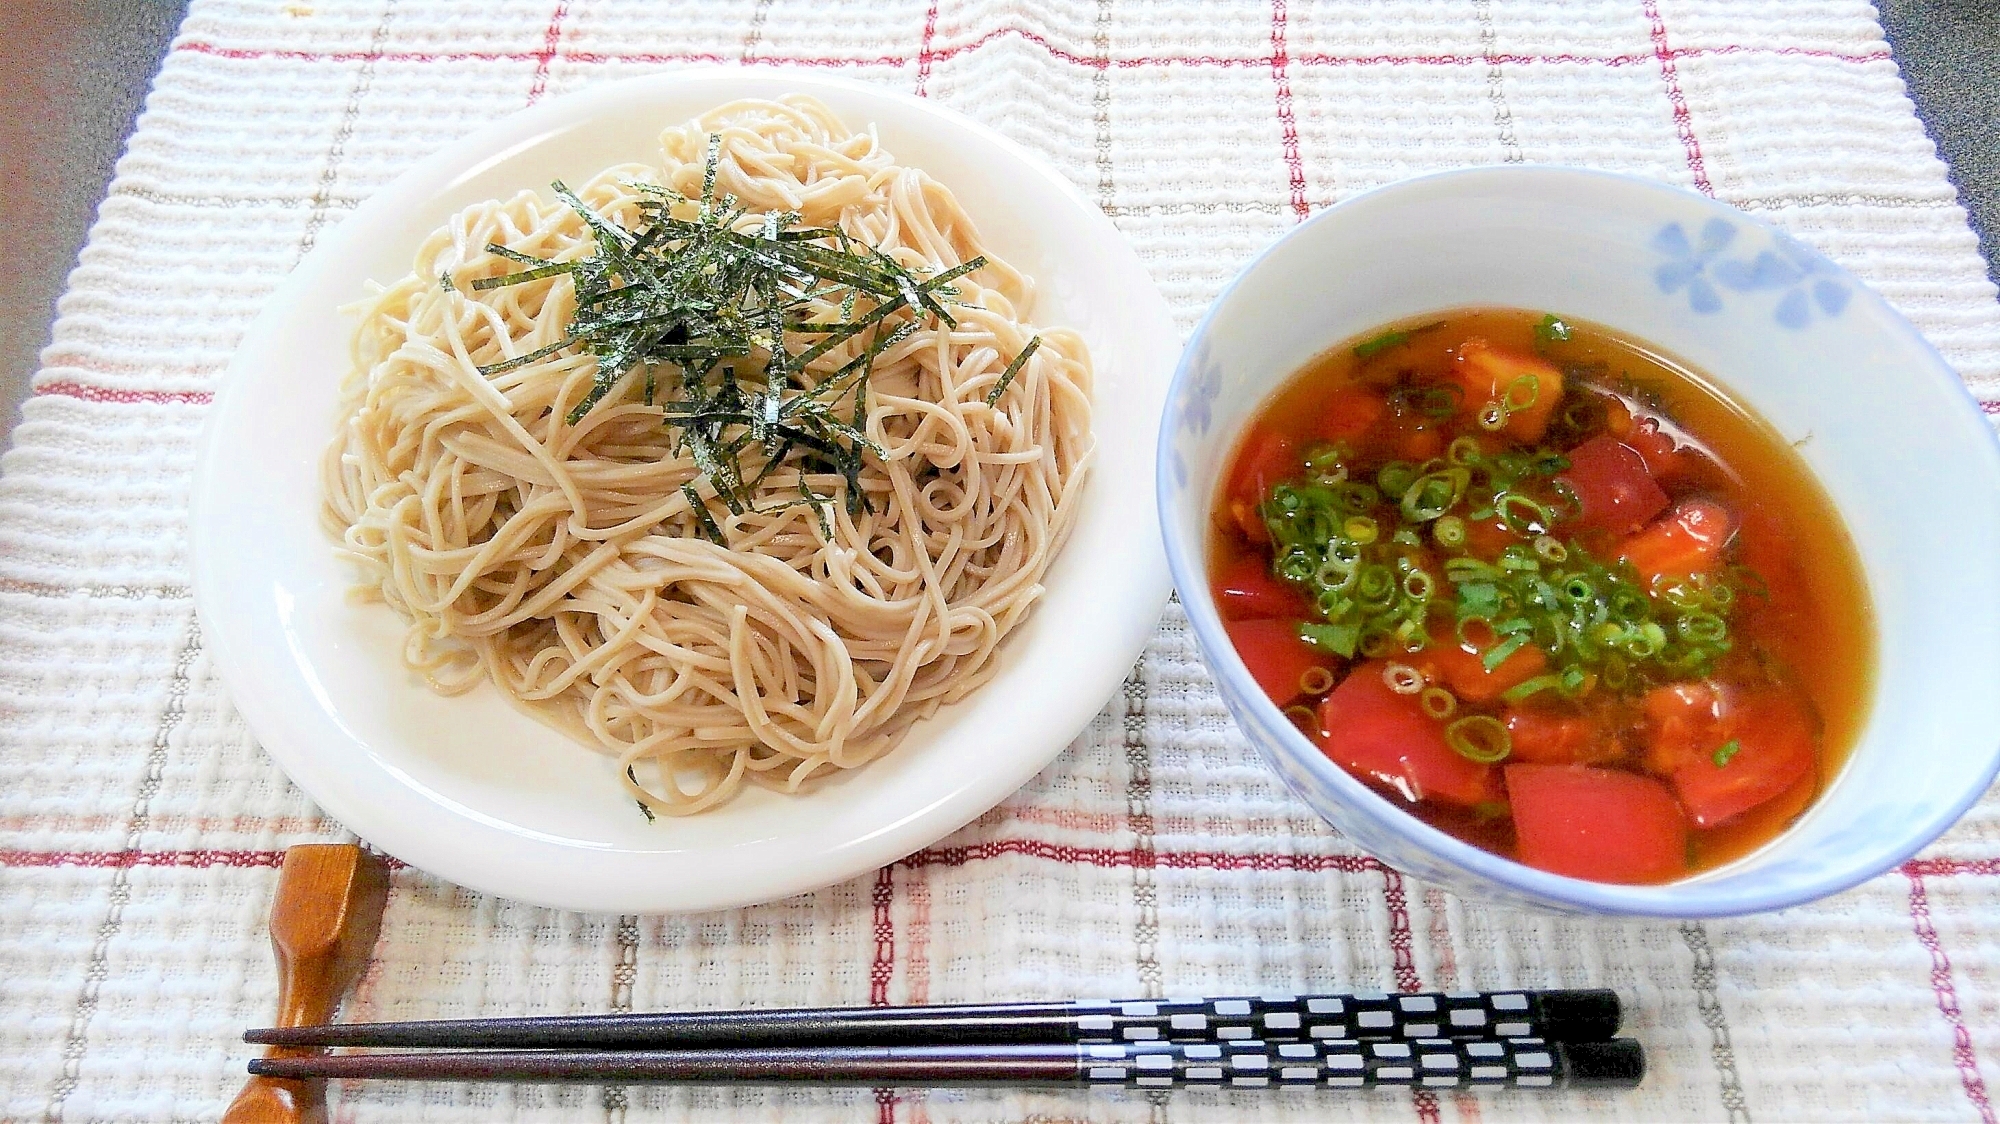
(1533, 1039)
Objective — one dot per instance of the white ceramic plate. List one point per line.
(475, 791)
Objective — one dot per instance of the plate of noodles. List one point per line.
(688, 492)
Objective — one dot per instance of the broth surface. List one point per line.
(1795, 663)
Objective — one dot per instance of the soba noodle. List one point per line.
(564, 561)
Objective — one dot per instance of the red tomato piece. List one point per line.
(1540, 737)
(1487, 538)
(1642, 434)
(1267, 458)
(1686, 540)
(1275, 655)
(1246, 589)
(1765, 544)
(1611, 482)
(1351, 413)
(1417, 445)
(1243, 513)
(1487, 374)
(1772, 739)
(1386, 738)
(1681, 719)
(1605, 825)
(1664, 460)
(1463, 670)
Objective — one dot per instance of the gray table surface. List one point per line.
(79, 71)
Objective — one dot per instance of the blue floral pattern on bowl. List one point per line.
(1806, 280)
(1197, 412)
(1688, 260)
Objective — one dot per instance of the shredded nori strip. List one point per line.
(1014, 368)
(693, 302)
(643, 806)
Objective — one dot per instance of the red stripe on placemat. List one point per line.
(1783, 52)
(116, 859)
(1401, 945)
(1919, 868)
(1464, 1101)
(1288, 126)
(88, 393)
(1989, 407)
(1683, 119)
(1947, 998)
(884, 965)
(244, 858)
(551, 37)
(940, 54)
(1403, 963)
(917, 948)
(924, 54)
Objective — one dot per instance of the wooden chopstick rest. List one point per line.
(324, 919)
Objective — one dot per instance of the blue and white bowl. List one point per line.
(1898, 443)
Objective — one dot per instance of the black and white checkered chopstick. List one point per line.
(1341, 1064)
(1562, 1015)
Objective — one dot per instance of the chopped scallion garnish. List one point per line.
(1380, 343)
(1359, 553)
(1552, 329)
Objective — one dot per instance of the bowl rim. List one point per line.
(1645, 900)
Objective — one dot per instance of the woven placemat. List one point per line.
(142, 826)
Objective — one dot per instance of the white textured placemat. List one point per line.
(139, 824)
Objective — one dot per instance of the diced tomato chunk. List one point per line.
(1244, 514)
(1383, 737)
(1665, 461)
(1464, 671)
(1488, 374)
(1486, 538)
(1267, 458)
(1764, 737)
(1407, 443)
(1246, 589)
(1351, 413)
(1540, 737)
(1275, 655)
(1602, 824)
(1610, 481)
(1766, 546)
(1767, 748)
(1681, 719)
(1686, 540)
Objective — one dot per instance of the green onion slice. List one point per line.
(1402, 678)
(1437, 702)
(1381, 343)
(1522, 393)
(1479, 738)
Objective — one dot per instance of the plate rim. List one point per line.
(440, 172)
